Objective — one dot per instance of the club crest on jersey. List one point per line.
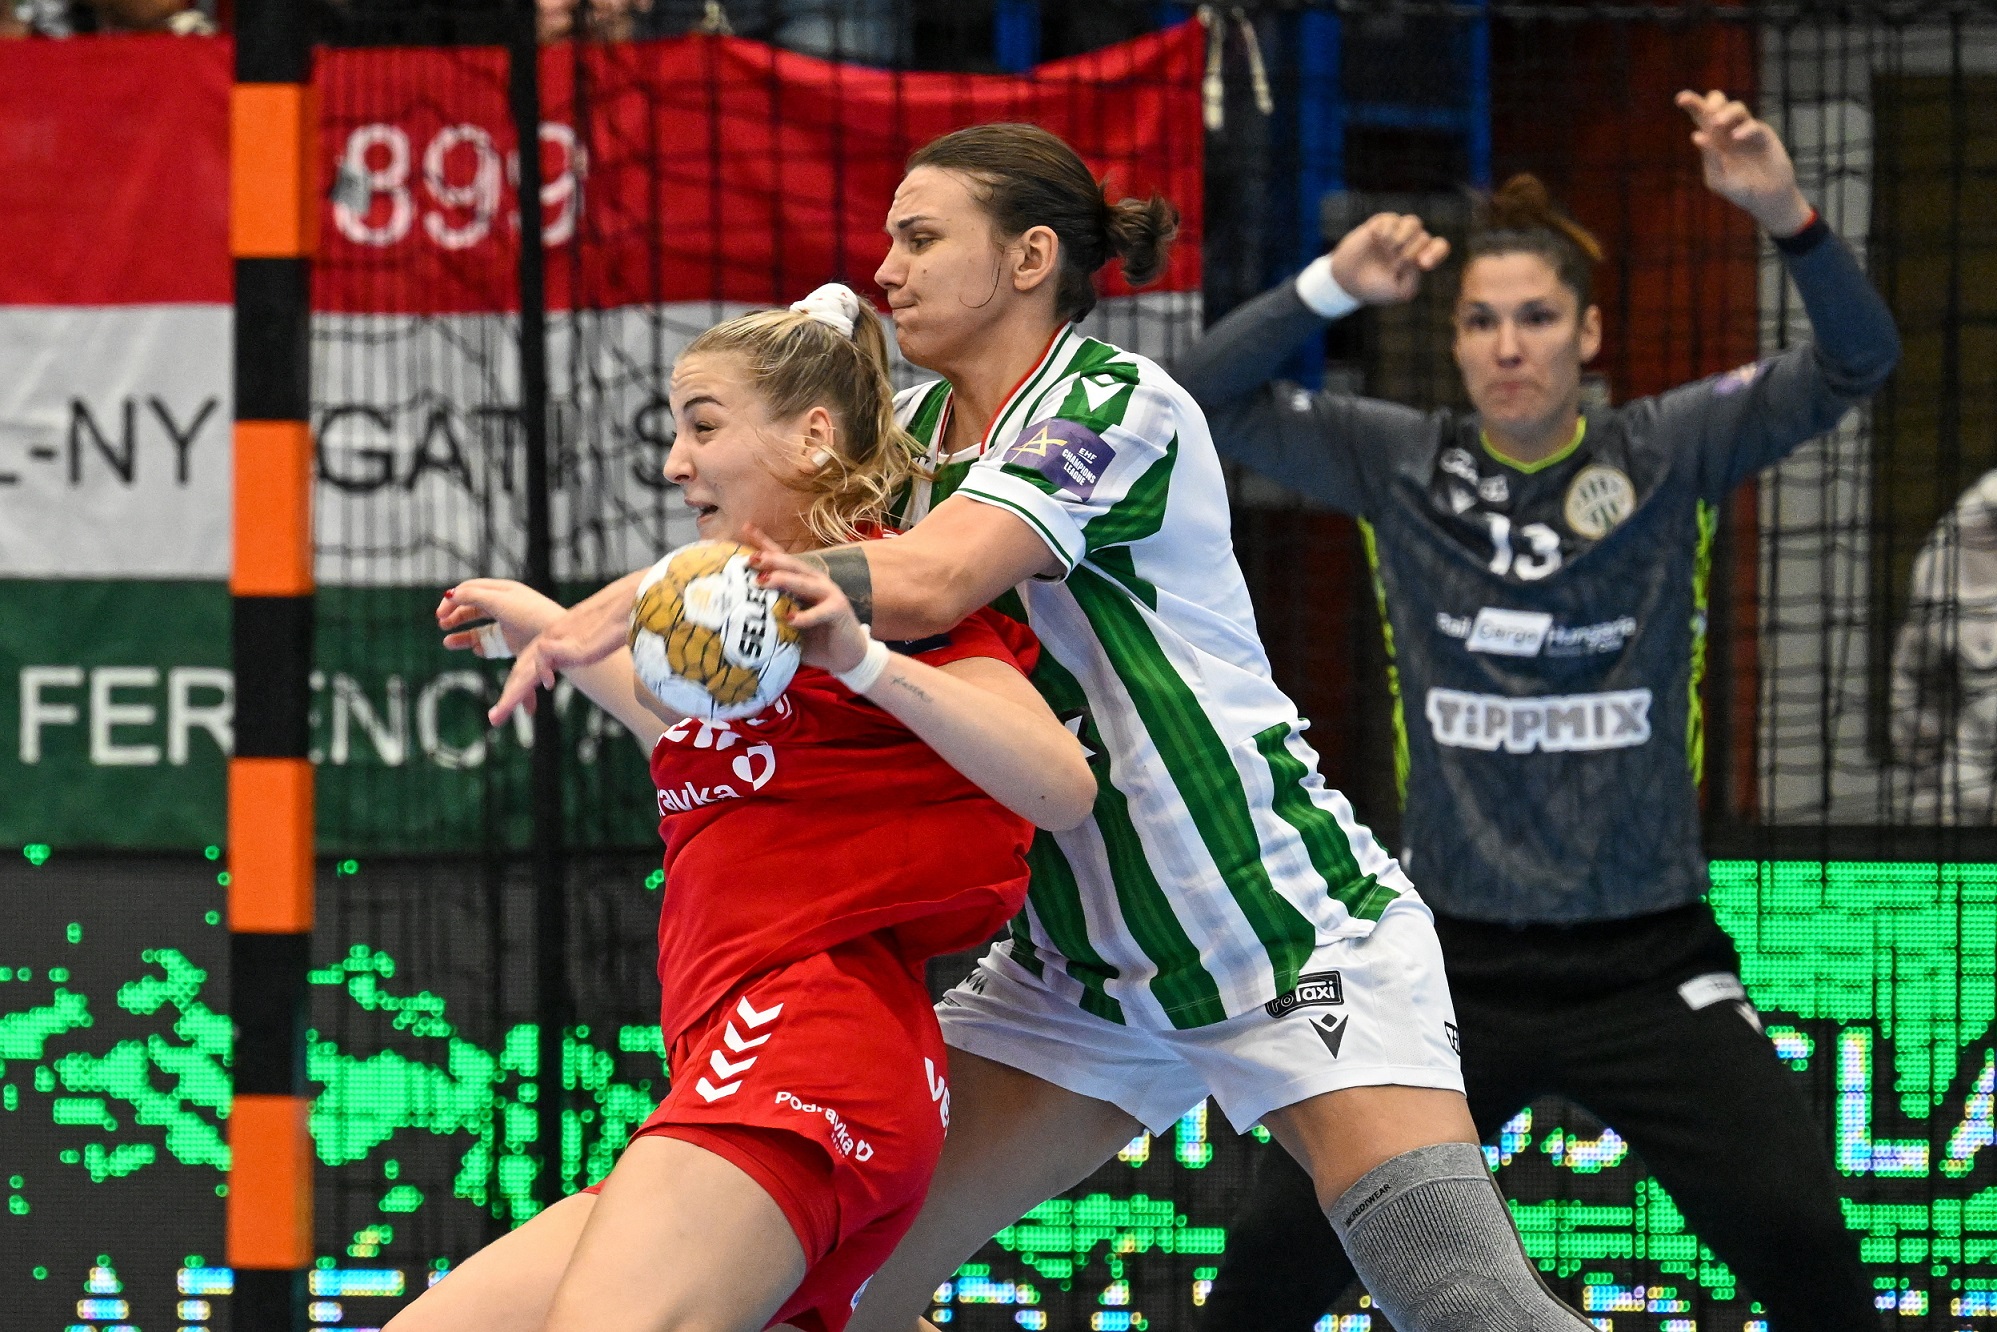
(1067, 453)
(1315, 989)
(1598, 499)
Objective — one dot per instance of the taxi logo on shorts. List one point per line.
(1317, 989)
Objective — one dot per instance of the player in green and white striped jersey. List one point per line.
(1217, 861)
(1221, 924)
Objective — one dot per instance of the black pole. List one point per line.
(551, 980)
(269, 1233)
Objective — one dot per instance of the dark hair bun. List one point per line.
(1523, 204)
(1521, 218)
(1140, 233)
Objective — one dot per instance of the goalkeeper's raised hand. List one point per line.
(1381, 261)
(1744, 161)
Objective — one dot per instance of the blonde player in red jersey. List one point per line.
(876, 815)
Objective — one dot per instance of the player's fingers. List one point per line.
(517, 692)
(1728, 118)
(753, 535)
(773, 561)
(548, 662)
(460, 642)
(459, 613)
(825, 612)
(1432, 253)
(803, 585)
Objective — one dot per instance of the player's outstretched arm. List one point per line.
(980, 715)
(1312, 442)
(523, 618)
(583, 635)
(924, 582)
(1758, 414)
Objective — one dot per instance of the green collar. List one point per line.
(1580, 429)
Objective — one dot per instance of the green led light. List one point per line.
(37, 853)
(212, 852)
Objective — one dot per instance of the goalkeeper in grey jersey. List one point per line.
(1543, 575)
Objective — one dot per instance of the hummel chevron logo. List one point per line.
(723, 1069)
(749, 1015)
(714, 1093)
(738, 1044)
(1331, 1032)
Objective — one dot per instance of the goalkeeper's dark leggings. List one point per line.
(1697, 1092)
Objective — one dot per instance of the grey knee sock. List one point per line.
(1434, 1244)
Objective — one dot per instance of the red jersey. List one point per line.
(823, 819)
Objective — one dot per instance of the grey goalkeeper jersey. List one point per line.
(1547, 623)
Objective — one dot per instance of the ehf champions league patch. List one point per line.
(1067, 453)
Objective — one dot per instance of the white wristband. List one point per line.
(867, 673)
(492, 643)
(1318, 289)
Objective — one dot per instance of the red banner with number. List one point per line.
(700, 168)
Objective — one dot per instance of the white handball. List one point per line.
(707, 641)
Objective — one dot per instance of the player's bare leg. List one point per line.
(680, 1238)
(508, 1285)
(1015, 1141)
(1400, 1175)
(647, 1253)
(1341, 1135)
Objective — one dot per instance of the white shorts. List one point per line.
(1366, 1012)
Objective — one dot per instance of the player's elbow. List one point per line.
(1862, 371)
(934, 603)
(1069, 793)
(1883, 362)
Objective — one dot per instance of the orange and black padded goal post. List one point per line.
(272, 223)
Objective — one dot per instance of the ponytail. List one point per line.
(1141, 232)
(1521, 218)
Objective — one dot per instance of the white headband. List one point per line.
(835, 305)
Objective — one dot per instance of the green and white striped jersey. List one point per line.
(1217, 860)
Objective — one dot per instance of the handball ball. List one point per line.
(707, 641)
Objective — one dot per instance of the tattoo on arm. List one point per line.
(847, 567)
(902, 682)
